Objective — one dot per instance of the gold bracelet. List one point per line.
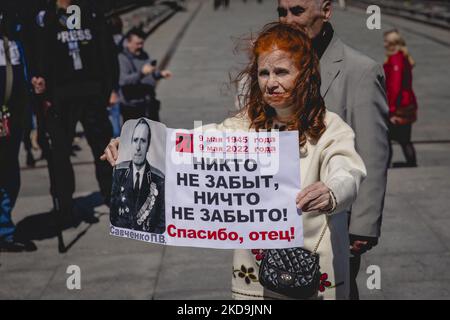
(333, 199)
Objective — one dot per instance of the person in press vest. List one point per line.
(75, 75)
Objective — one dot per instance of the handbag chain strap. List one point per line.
(322, 234)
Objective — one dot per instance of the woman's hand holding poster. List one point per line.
(207, 188)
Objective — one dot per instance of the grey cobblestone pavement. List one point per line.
(414, 249)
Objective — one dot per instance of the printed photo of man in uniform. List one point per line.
(138, 188)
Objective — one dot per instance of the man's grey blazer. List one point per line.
(353, 86)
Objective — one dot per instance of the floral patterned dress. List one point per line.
(334, 161)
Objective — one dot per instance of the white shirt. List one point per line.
(141, 175)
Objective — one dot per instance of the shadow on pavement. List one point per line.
(43, 226)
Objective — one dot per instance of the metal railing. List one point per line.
(431, 12)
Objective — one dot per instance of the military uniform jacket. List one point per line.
(142, 210)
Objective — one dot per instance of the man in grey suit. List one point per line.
(353, 87)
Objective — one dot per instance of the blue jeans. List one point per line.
(114, 117)
(9, 182)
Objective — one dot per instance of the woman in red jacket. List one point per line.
(401, 98)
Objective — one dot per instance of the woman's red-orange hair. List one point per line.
(309, 113)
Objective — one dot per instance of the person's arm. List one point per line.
(128, 74)
(40, 72)
(368, 116)
(161, 74)
(111, 152)
(342, 169)
(157, 75)
(394, 79)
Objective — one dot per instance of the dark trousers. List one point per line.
(59, 123)
(148, 110)
(402, 134)
(355, 264)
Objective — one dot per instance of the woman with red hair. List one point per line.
(283, 92)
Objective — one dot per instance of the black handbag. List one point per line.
(293, 272)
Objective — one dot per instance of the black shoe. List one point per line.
(404, 165)
(17, 246)
(29, 245)
(91, 219)
(31, 163)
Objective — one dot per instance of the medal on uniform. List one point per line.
(148, 205)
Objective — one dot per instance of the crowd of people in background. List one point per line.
(53, 77)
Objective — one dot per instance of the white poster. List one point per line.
(207, 188)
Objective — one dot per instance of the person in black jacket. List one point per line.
(14, 100)
(138, 78)
(75, 74)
